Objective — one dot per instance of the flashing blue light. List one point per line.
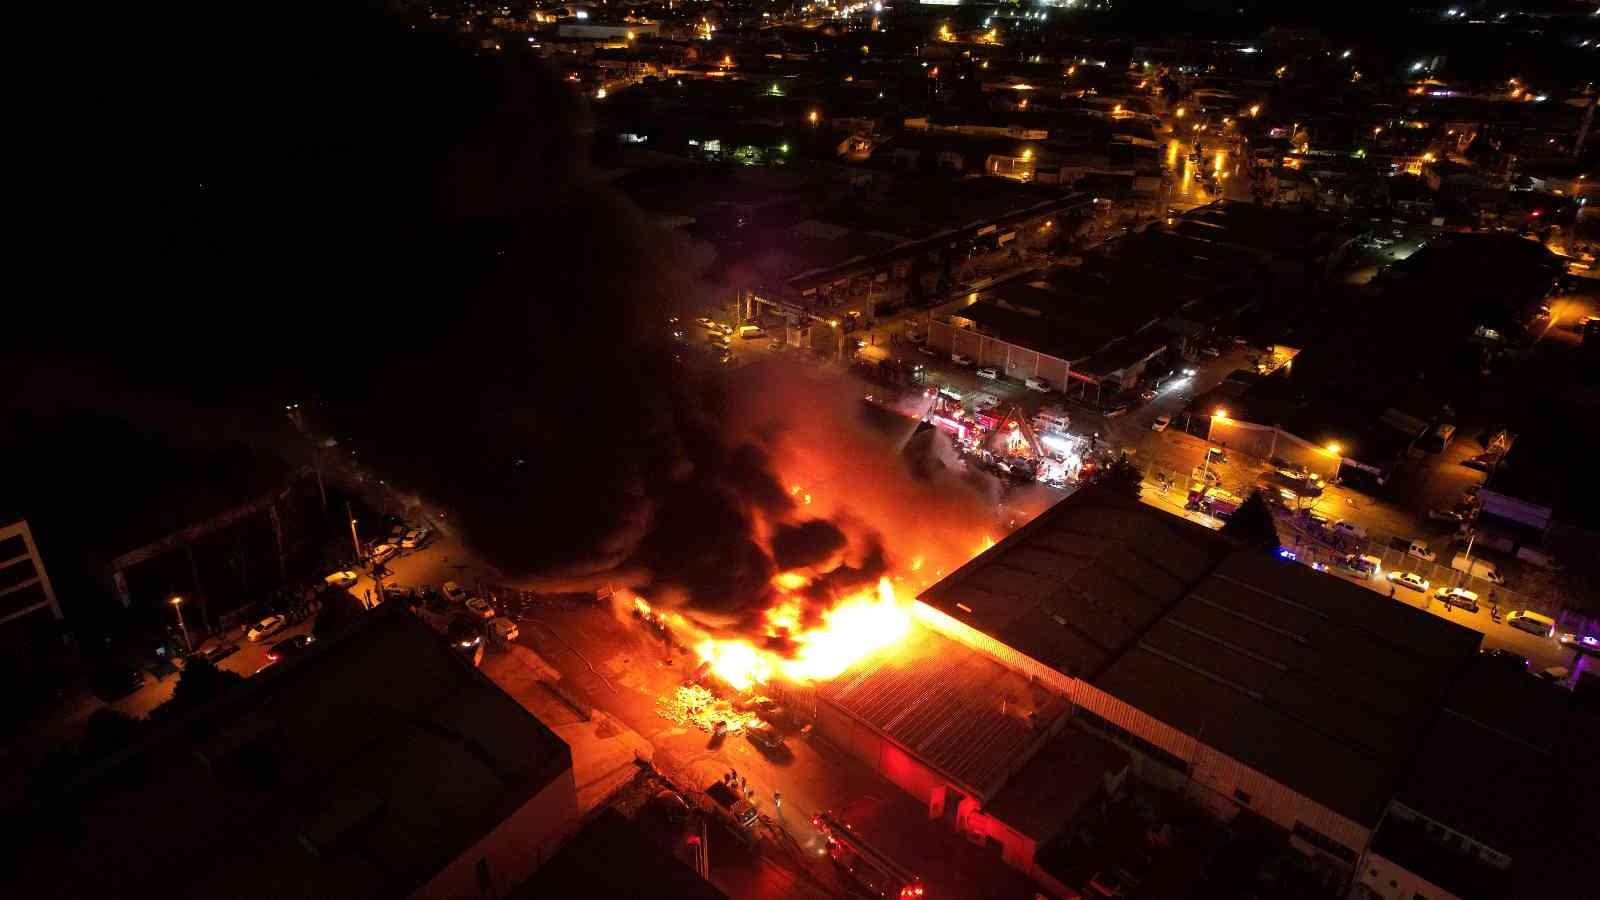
(1285, 553)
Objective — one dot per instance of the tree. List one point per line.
(1121, 477)
(1252, 525)
(200, 683)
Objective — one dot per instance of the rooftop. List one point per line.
(956, 710)
(1323, 685)
(1079, 584)
(359, 770)
(1046, 797)
(1318, 683)
(590, 865)
(1488, 768)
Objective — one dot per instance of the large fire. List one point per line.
(858, 625)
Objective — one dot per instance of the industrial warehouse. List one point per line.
(1106, 641)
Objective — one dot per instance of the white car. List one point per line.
(341, 579)
(383, 552)
(1160, 423)
(416, 538)
(1454, 596)
(1036, 383)
(1410, 580)
(989, 373)
(984, 402)
(915, 337)
(453, 592)
(480, 608)
(503, 629)
(961, 359)
(266, 627)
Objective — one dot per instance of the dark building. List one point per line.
(376, 764)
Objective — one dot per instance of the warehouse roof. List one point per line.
(1079, 584)
(970, 718)
(612, 858)
(1321, 684)
(1318, 683)
(358, 770)
(1054, 787)
(1487, 769)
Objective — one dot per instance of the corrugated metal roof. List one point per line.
(1079, 583)
(956, 710)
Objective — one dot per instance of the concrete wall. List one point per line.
(514, 849)
(1013, 360)
(881, 754)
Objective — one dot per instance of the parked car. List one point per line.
(915, 337)
(383, 552)
(777, 346)
(1349, 529)
(1147, 394)
(1483, 462)
(988, 372)
(927, 350)
(1409, 580)
(1116, 409)
(285, 649)
(765, 737)
(1506, 656)
(503, 629)
(1364, 565)
(985, 402)
(706, 323)
(109, 682)
(416, 539)
(1160, 423)
(480, 608)
(961, 359)
(341, 579)
(465, 638)
(266, 627)
(1452, 516)
(1210, 352)
(1458, 597)
(453, 592)
(1035, 383)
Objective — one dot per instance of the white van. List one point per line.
(1035, 383)
(1532, 622)
(1477, 568)
(1349, 529)
(751, 332)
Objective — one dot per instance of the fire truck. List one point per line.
(869, 866)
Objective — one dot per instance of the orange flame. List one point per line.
(860, 625)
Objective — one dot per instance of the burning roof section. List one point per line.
(966, 716)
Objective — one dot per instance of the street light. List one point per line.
(1219, 413)
(177, 606)
(1334, 448)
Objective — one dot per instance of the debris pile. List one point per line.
(693, 705)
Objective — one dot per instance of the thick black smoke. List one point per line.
(403, 233)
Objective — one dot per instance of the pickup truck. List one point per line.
(738, 810)
(1419, 549)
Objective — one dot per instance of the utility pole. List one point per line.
(354, 541)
